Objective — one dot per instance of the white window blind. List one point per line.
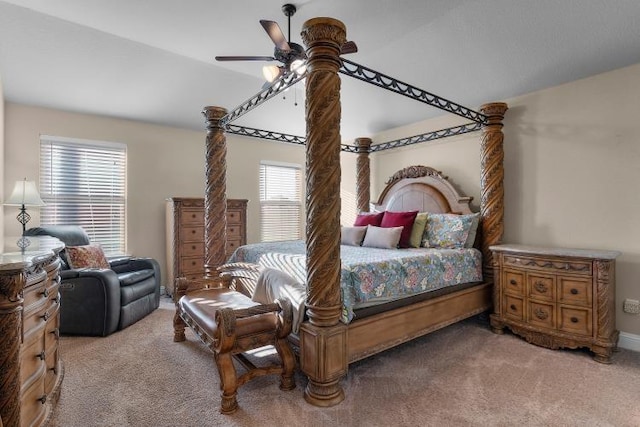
(280, 202)
(84, 183)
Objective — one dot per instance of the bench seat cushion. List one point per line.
(201, 306)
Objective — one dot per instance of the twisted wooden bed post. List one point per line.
(491, 182)
(323, 339)
(363, 171)
(215, 196)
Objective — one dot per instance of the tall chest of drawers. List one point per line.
(556, 297)
(31, 367)
(185, 235)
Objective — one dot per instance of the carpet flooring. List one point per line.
(462, 375)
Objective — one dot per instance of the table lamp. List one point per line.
(24, 194)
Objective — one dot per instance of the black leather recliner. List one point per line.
(98, 302)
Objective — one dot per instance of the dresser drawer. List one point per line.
(34, 320)
(514, 307)
(234, 217)
(232, 245)
(550, 265)
(233, 232)
(514, 282)
(192, 217)
(35, 296)
(575, 290)
(32, 408)
(191, 265)
(192, 234)
(541, 287)
(575, 320)
(32, 363)
(542, 314)
(192, 249)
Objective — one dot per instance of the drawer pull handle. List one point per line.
(193, 215)
(193, 263)
(193, 231)
(42, 355)
(574, 320)
(54, 370)
(541, 314)
(56, 332)
(193, 247)
(42, 399)
(574, 291)
(45, 316)
(57, 299)
(541, 287)
(45, 293)
(513, 307)
(513, 282)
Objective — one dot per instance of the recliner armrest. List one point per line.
(119, 260)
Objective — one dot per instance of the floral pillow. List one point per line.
(447, 231)
(86, 256)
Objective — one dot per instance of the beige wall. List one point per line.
(162, 162)
(2, 193)
(572, 167)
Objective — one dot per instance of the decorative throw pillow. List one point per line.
(418, 230)
(471, 238)
(352, 236)
(87, 256)
(400, 219)
(378, 237)
(365, 219)
(446, 231)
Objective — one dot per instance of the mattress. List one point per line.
(372, 276)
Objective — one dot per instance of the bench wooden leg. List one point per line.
(178, 328)
(228, 382)
(287, 381)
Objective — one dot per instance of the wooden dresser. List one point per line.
(556, 297)
(185, 235)
(30, 365)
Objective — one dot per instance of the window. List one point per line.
(84, 183)
(280, 202)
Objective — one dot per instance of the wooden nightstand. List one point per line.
(555, 297)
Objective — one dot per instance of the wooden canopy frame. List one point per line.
(323, 338)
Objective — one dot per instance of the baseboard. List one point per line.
(629, 341)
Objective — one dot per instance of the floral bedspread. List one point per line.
(372, 276)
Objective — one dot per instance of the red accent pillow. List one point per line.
(400, 219)
(365, 219)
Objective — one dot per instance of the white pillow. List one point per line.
(378, 237)
(352, 236)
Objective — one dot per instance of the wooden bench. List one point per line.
(230, 324)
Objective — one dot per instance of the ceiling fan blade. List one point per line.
(245, 58)
(275, 33)
(348, 47)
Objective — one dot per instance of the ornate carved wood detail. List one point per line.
(573, 267)
(11, 285)
(323, 38)
(604, 272)
(215, 200)
(414, 172)
(363, 175)
(492, 181)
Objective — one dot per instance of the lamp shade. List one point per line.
(24, 193)
(271, 72)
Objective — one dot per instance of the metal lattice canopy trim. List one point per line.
(368, 75)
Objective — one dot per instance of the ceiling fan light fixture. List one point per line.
(299, 66)
(271, 72)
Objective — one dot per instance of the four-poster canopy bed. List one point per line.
(327, 345)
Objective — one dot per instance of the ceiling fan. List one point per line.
(291, 55)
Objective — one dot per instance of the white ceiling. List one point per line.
(152, 60)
